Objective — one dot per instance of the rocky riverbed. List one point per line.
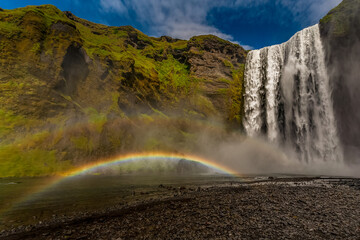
(276, 209)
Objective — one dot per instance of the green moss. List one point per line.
(145, 66)
(35, 139)
(147, 118)
(235, 92)
(16, 162)
(223, 91)
(115, 105)
(202, 38)
(203, 105)
(180, 45)
(339, 18)
(158, 112)
(36, 48)
(227, 63)
(173, 74)
(8, 121)
(95, 118)
(326, 19)
(83, 143)
(9, 29)
(68, 98)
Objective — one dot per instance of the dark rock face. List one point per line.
(340, 31)
(210, 56)
(168, 39)
(75, 69)
(134, 41)
(214, 59)
(70, 15)
(62, 27)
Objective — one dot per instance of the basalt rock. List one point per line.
(340, 31)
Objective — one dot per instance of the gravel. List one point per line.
(268, 210)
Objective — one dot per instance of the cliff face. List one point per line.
(340, 30)
(72, 90)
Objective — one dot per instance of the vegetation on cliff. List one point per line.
(341, 20)
(73, 91)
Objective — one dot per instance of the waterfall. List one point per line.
(288, 98)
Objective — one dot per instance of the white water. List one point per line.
(288, 98)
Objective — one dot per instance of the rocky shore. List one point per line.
(276, 209)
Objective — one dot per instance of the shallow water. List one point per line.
(30, 200)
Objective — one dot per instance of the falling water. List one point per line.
(288, 97)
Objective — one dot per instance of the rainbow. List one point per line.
(150, 156)
(85, 169)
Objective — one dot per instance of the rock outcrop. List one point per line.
(340, 30)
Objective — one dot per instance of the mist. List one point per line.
(248, 155)
(343, 61)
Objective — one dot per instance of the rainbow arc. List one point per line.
(91, 167)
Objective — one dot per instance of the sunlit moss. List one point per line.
(15, 161)
(235, 92)
(9, 28)
(8, 121)
(202, 38)
(227, 63)
(340, 17)
(173, 74)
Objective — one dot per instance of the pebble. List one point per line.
(263, 211)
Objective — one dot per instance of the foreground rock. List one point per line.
(271, 210)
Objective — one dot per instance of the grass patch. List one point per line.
(173, 74)
(83, 143)
(17, 162)
(9, 29)
(235, 92)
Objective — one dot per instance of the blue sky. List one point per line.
(251, 23)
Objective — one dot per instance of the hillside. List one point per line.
(340, 30)
(72, 91)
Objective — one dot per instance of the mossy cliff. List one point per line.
(73, 91)
(340, 31)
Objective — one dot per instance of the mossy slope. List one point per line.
(73, 91)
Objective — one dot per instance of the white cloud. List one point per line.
(186, 18)
(318, 9)
(113, 6)
(308, 11)
(247, 47)
(186, 30)
(175, 18)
